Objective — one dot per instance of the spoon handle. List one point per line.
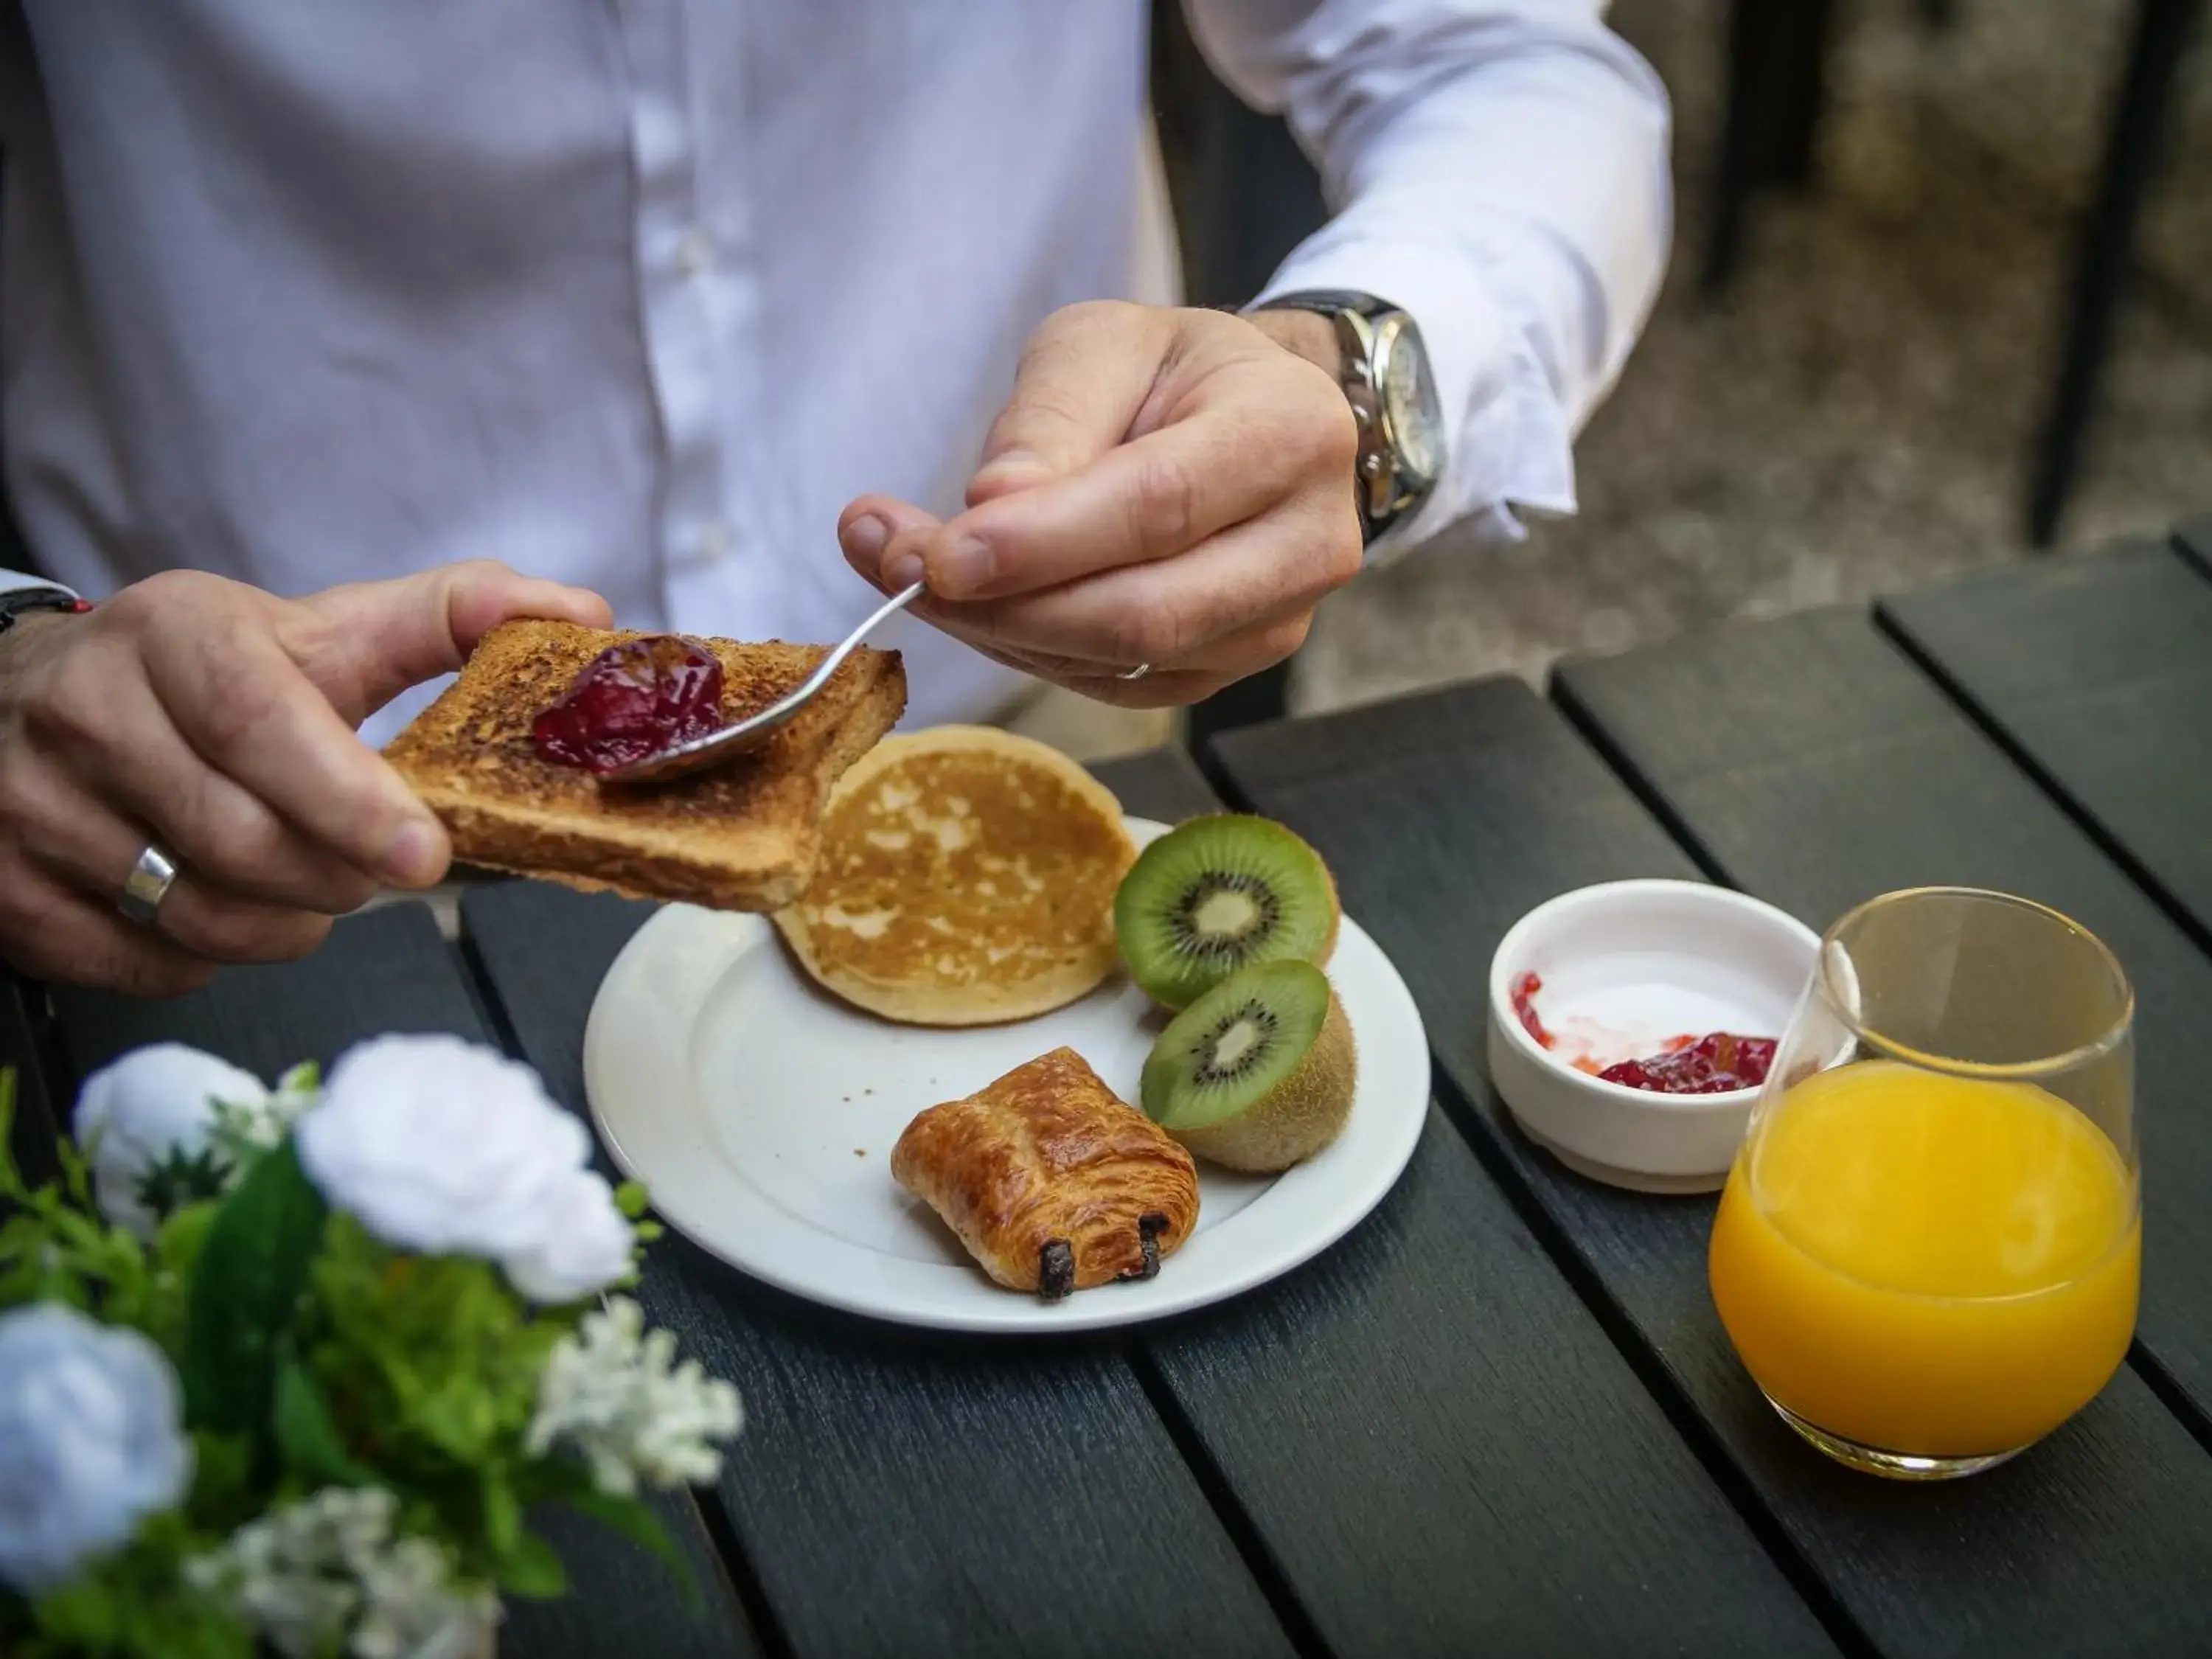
(727, 741)
(820, 677)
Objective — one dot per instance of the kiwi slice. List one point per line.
(1257, 1073)
(1219, 894)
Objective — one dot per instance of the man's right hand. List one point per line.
(216, 721)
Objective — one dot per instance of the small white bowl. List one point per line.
(1626, 966)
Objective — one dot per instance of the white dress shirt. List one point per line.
(638, 294)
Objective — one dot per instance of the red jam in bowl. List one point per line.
(1711, 1066)
(1524, 1005)
(632, 700)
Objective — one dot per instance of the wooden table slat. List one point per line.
(1439, 1446)
(390, 970)
(1820, 766)
(2193, 538)
(1445, 818)
(2098, 672)
(897, 1493)
(1400, 1510)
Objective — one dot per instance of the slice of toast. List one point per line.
(743, 837)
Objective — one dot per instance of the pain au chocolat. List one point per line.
(1052, 1181)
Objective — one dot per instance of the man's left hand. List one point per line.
(1165, 487)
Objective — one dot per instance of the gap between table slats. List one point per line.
(1918, 793)
(1450, 1370)
(389, 970)
(1447, 817)
(1340, 1423)
(899, 1493)
(2094, 673)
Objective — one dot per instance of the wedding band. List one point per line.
(147, 885)
(1136, 673)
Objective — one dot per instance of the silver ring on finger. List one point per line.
(147, 885)
(1136, 673)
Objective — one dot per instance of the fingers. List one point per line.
(248, 711)
(216, 721)
(1084, 377)
(1174, 689)
(1230, 658)
(1132, 434)
(1176, 611)
(51, 933)
(209, 823)
(1147, 500)
(84, 845)
(1164, 488)
(866, 529)
(377, 639)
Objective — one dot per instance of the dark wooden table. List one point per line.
(1500, 1417)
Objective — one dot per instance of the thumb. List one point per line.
(368, 641)
(1083, 379)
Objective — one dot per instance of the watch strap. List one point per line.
(21, 594)
(1327, 300)
(1351, 314)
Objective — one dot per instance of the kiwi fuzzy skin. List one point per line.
(1167, 981)
(1296, 1118)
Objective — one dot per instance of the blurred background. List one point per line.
(1858, 408)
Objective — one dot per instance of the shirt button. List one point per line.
(693, 250)
(713, 541)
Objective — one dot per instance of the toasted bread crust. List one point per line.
(745, 836)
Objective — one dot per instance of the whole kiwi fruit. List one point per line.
(1257, 1074)
(1219, 894)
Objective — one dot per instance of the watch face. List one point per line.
(1408, 397)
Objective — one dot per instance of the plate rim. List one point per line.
(1009, 1313)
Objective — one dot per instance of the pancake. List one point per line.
(966, 876)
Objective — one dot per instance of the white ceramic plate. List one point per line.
(761, 1112)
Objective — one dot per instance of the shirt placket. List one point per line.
(687, 260)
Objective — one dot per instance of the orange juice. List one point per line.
(1931, 1265)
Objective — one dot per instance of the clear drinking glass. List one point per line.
(1929, 1251)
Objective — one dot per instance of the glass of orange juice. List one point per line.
(1929, 1250)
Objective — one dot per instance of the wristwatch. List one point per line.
(21, 594)
(1387, 379)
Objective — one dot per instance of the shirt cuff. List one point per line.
(1507, 443)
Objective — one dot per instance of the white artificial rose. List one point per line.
(448, 1148)
(583, 1244)
(156, 1107)
(91, 1441)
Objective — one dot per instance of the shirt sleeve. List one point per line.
(1497, 169)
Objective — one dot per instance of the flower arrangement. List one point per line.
(286, 1369)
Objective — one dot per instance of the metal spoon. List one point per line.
(727, 742)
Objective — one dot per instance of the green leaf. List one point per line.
(502, 1513)
(134, 1603)
(306, 1436)
(177, 1246)
(11, 1179)
(532, 1569)
(223, 1492)
(632, 1517)
(246, 1292)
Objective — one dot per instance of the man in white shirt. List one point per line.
(306, 311)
